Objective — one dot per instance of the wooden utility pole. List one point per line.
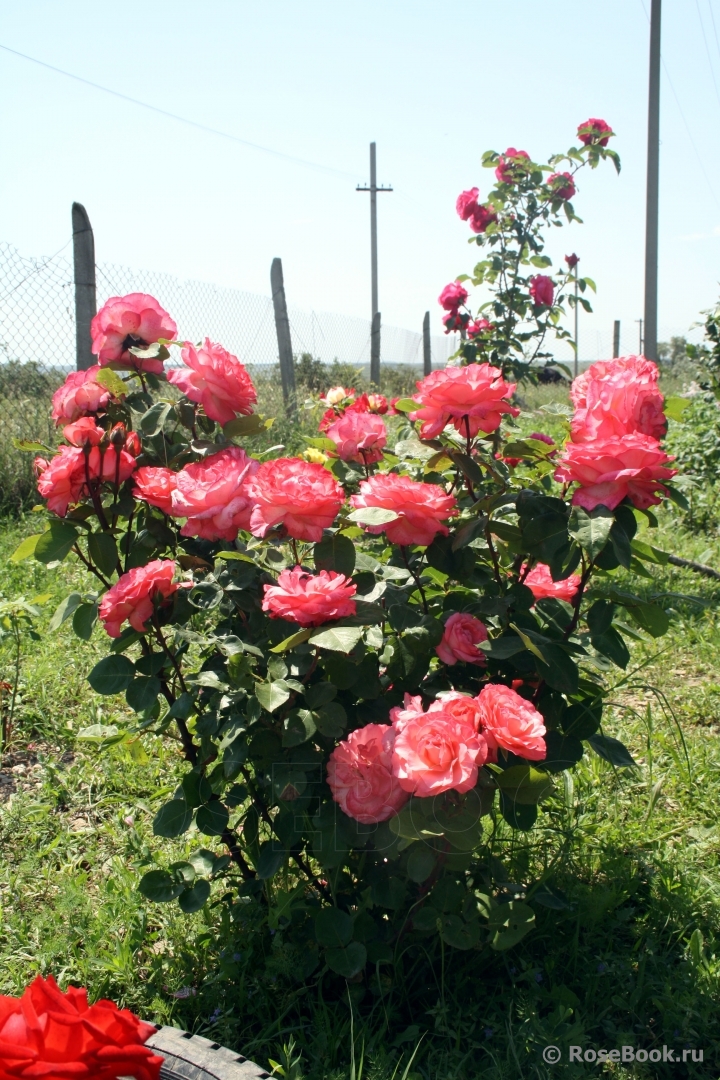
(653, 180)
(282, 328)
(84, 276)
(375, 332)
(616, 338)
(427, 351)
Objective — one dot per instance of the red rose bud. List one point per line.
(572, 261)
(594, 132)
(133, 444)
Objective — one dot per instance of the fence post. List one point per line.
(375, 349)
(85, 301)
(616, 338)
(282, 328)
(427, 352)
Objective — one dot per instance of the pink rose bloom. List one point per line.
(477, 392)
(477, 326)
(155, 485)
(360, 775)
(61, 479)
(512, 722)
(541, 584)
(509, 166)
(301, 495)
(411, 707)
(377, 403)
(616, 397)
(594, 131)
(83, 432)
(562, 185)
(125, 322)
(420, 508)
(310, 599)
(216, 380)
(452, 322)
(462, 707)
(482, 217)
(213, 495)
(132, 597)
(78, 395)
(435, 752)
(359, 437)
(542, 290)
(467, 202)
(633, 466)
(452, 296)
(460, 640)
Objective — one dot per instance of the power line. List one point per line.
(707, 50)
(712, 16)
(183, 119)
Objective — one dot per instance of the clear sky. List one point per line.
(434, 84)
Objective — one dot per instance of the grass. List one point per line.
(630, 956)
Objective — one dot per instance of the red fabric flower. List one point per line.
(633, 466)
(310, 599)
(125, 322)
(213, 494)
(510, 166)
(420, 508)
(80, 394)
(301, 495)
(477, 392)
(594, 131)
(216, 380)
(50, 1035)
(131, 598)
(542, 290)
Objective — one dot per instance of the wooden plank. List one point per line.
(193, 1057)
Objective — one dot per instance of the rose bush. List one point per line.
(375, 665)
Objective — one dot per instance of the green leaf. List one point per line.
(244, 426)
(675, 407)
(160, 886)
(333, 928)
(142, 693)
(195, 898)
(372, 515)
(299, 727)
(591, 530)
(112, 675)
(460, 934)
(25, 549)
(103, 551)
(55, 544)
(612, 750)
(272, 695)
(212, 819)
(560, 671)
(612, 645)
(111, 381)
(331, 720)
(336, 553)
(518, 815)
(406, 405)
(420, 864)
(649, 553)
(509, 923)
(292, 641)
(205, 596)
(64, 611)
(524, 784)
(173, 819)
(83, 620)
(151, 422)
(271, 858)
(338, 639)
(320, 694)
(347, 962)
(202, 861)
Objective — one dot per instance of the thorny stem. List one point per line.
(93, 569)
(587, 571)
(416, 579)
(170, 655)
(228, 839)
(293, 543)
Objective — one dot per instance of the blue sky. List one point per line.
(433, 84)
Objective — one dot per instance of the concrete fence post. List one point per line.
(84, 276)
(282, 328)
(375, 349)
(427, 351)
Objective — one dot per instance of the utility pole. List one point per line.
(375, 332)
(653, 180)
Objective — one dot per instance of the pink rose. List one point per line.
(512, 722)
(542, 290)
(310, 599)
(64, 479)
(155, 485)
(462, 707)
(541, 584)
(482, 217)
(476, 327)
(435, 752)
(510, 165)
(452, 296)
(360, 775)
(359, 437)
(460, 640)
(594, 131)
(213, 495)
(452, 322)
(633, 466)
(216, 380)
(472, 398)
(467, 202)
(377, 403)
(83, 432)
(125, 322)
(616, 397)
(420, 508)
(562, 185)
(133, 597)
(411, 707)
(301, 495)
(81, 393)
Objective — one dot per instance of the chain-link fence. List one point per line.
(37, 339)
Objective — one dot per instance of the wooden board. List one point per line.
(191, 1057)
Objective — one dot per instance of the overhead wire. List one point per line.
(707, 50)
